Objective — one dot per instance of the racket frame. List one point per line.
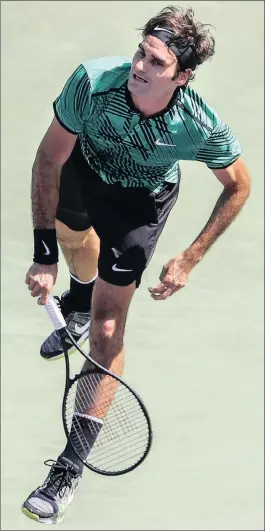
(60, 325)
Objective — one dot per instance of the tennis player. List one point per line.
(120, 129)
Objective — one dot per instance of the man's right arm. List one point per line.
(71, 109)
(53, 152)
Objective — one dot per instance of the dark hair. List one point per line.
(186, 26)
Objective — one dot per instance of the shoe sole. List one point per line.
(36, 518)
(70, 352)
(49, 521)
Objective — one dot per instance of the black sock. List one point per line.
(71, 455)
(84, 432)
(81, 294)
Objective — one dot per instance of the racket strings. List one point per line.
(106, 424)
(122, 412)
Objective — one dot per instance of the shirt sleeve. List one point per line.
(221, 148)
(71, 108)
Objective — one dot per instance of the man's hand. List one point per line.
(40, 279)
(174, 276)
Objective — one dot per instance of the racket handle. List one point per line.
(55, 313)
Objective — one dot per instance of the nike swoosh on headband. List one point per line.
(182, 49)
(157, 28)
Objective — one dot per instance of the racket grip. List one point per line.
(55, 313)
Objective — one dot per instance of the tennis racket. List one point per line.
(104, 419)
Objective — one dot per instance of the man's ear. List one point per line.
(183, 77)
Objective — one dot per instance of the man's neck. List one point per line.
(149, 108)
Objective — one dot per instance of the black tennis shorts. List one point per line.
(128, 221)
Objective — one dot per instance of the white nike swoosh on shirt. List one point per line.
(115, 268)
(234, 150)
(158, 143)
(81, 329)
(46, 249)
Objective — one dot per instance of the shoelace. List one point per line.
(60, 478)
(58, 302)
(70, 317)
(61, 308)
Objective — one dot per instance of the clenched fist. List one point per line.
(40, 279)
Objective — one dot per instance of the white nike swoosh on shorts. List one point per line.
(115, 268)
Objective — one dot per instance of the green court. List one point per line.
(196, 359)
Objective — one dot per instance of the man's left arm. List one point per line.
(236, 182)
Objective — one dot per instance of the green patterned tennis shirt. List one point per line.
(124, 148)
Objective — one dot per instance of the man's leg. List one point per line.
(110, 305)
(80, 249)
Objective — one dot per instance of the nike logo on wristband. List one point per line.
(48, 252)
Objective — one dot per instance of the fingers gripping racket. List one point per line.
(104, 419)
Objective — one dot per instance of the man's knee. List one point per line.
(71, 239)
(106, 335)
(107, 329)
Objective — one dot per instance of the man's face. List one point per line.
(153, 67)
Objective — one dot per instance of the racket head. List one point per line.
(106, 423)
(116, 413)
